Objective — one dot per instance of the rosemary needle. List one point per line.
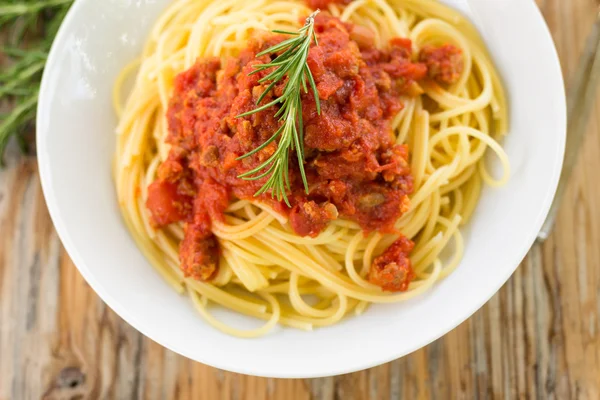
(290, 63)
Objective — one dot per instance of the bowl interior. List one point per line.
(76, 142)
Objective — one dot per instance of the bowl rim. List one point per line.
(131, 318)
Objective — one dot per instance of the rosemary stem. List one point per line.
(290, 62)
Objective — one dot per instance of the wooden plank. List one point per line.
(539, 337)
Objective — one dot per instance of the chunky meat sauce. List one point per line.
(392, 270)
(354, 168)
(444, 64)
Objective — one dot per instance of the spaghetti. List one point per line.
(265, 269)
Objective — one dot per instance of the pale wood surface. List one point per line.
(538, 338)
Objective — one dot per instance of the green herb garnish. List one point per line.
(291, 62)
(28, 28)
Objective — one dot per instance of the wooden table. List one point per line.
(538, 338)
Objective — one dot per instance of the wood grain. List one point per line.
(539, 337)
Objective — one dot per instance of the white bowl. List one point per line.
(76, 142)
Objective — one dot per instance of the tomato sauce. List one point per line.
(392, 270)
(444, 64)
(354, 168)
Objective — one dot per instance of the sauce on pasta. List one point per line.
(411, 105)
(354, 168)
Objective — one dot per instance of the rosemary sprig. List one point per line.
(27, 29)
(290, 62)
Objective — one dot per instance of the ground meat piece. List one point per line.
(444, 64)
(310, 218)
(199, 253)
(210, 156)
(392, 270)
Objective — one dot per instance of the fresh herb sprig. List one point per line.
(290, 62)
(27, 30)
